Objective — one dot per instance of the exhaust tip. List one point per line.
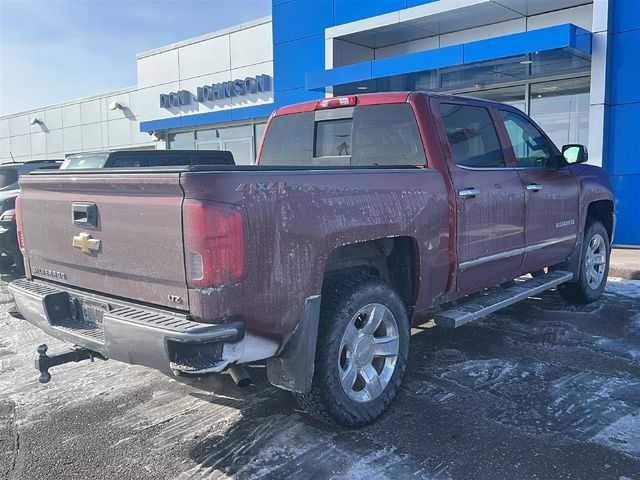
(240, 376)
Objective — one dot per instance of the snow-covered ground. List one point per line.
(540, 389)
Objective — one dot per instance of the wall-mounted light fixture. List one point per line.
(115, 105)
(156, 136)
(35, 121)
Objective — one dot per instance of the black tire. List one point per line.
(583, 291)
(342, 299)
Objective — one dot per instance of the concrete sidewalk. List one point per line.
(625, 263)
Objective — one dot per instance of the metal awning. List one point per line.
(552, 45)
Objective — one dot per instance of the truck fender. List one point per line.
(293, 368)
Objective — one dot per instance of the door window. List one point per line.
(530, 147)
(472, 136)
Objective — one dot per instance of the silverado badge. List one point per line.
(85, 243)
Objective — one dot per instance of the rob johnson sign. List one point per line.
(217, 91)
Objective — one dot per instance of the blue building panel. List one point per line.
(351, 10)
(622, 159)
(301, 18)
(626, 188)
(622, 152)
(626, 58)
(415, 62)
(338, 76)
(626, 15)
(208, 118)
(550, 38)
(293, 59)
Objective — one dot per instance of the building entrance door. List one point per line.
(241, 148)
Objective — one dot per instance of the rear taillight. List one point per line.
(214, 243)
(19, 226)
(337, 102)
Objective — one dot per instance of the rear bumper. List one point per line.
(129, 332)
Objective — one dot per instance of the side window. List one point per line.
(289, 140)
(472, 136)
(386, 135)
(530, 147)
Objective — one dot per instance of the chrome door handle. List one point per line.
(469, 193)
(534, 187)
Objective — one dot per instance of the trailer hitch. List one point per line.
(45, 362)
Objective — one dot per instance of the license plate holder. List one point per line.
(91, 312)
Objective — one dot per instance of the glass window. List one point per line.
(181, 141)
(530, 147)
(8, 176)
(259, 133)
(386, 135)
(242, 150)
(333, 138)
(515, 96)
(84, 161)
(561, 108)
(472, 136)
(289, 140)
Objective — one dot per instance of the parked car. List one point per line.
(362, 210)
(147, 158)
(10, 255)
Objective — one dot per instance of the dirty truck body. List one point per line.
(361, 211)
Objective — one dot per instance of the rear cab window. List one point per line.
(371, 135)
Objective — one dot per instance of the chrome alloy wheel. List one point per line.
(368, 352)
(595, 261)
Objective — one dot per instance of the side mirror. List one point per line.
(575, 153)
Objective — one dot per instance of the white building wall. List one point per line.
(72, 127)
(87, 124)
(235, 53)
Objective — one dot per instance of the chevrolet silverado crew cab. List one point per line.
(361, 210)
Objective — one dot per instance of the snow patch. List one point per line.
(622, 435)
(626, 288)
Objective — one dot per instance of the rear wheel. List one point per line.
(594, 267)
(362, 351)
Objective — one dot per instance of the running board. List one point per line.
(475, 308)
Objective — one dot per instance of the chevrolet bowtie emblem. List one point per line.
(85, 243)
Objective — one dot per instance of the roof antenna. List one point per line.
(13, 160)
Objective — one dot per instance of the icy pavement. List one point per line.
(540, 390)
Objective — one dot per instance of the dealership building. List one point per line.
(573, 65)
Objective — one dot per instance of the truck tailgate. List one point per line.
(116, 233)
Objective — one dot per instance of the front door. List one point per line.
(489, 196)
(551, 192)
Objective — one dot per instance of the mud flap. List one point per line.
(292, 370)
(574, 262)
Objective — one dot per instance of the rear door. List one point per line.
(551, 192)
(118, 234)
(489, 197)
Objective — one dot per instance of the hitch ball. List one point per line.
(43, 364)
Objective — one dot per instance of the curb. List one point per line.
(626, 273)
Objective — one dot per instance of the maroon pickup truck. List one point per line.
(361, 211)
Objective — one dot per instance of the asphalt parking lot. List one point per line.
(541, 390)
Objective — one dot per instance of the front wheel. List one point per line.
(361, 353)
(594, 267)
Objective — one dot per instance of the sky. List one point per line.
(57, 50)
